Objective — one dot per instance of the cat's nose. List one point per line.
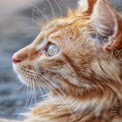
(15, 59)
(23, 54)
(18, 57)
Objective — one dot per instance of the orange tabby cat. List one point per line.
(78, 58)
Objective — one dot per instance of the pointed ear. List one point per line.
(86, 5)
(108, 23)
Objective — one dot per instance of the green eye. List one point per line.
(52, 50)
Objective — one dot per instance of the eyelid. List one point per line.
(53, 42)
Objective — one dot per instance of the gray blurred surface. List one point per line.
(18, 27)
(20, 23)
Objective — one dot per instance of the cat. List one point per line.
(78, 58)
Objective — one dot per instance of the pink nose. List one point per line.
(15, 59)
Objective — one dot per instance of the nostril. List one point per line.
(15, 60)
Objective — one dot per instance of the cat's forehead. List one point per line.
(63, 24)
(57, 24)
(61, 29)
(53, 28)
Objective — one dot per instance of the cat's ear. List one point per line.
(86, 5)
(108, 23)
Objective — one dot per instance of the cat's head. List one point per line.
(75, 51)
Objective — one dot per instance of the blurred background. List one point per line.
(20, 23)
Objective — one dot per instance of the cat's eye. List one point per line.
(52, 50)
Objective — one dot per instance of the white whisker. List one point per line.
(28, 96)
(45, 101)
(34, 91)
(49, 84)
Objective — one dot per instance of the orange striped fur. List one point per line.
(84, 77)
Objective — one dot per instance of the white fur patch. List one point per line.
(83, 5)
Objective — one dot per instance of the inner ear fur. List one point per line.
(107, 22)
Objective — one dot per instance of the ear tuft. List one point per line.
(86, 5)
(83, 5)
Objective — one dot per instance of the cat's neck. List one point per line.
(93, 94)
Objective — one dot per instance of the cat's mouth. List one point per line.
(28, 76)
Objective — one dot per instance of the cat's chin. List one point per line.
(22, 79)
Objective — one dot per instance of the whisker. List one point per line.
(46, 102)
(32, 94)
(41, 12)
(34, 91)
(31, 27)
(37, 81)
(52, 10)
(32, 20)
(55, 85)
(60, 95)
(20, 87)
(63, 102)
(60, 10)
(28, 97)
